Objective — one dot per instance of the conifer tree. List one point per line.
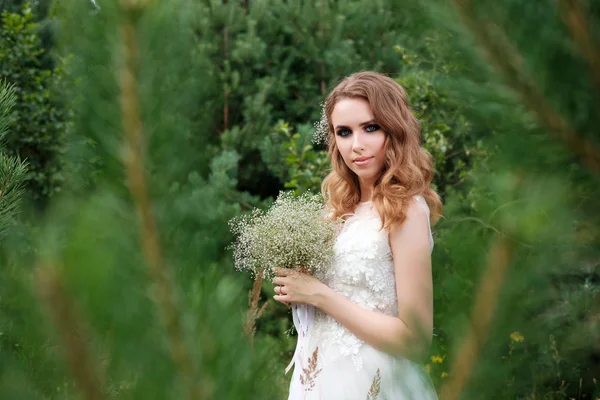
(126, 292)
(517, 255)
(12, 170)
(124, 289)
(276, 60)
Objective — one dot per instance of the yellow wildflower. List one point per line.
(437, 359)
(516, 336)
(444, 374)
(428, 368)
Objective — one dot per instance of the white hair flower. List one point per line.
(321, 134)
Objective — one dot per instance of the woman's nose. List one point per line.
(357, 144)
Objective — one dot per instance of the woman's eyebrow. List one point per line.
(371, 121)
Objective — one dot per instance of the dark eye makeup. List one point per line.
(372, 128)
(343, 132)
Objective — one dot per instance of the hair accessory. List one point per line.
(321, 134)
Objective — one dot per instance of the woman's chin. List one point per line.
(366, 176)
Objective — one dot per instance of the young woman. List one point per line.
(374, 308)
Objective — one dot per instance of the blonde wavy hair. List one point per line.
(408, 168)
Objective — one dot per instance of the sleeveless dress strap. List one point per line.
(421, 200)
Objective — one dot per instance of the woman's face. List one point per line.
(359, 139)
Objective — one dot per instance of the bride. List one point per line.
(372, 312)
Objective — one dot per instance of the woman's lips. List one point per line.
(362, 161)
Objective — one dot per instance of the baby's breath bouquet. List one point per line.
(292, 233)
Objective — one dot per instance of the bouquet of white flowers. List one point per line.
(292, 233)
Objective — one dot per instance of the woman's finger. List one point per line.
(282, 298)
(282, 271)
(279, 281)
(280, 290)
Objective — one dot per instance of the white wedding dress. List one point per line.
(331, 363)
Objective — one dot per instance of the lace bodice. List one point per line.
(363, 271)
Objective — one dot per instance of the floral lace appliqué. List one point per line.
(363, 272)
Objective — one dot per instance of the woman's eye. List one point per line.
(343, 132)
(372, 128)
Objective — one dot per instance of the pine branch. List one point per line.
(63, 315)
(133, 159)
(7, 101)
(13, 171)
(486, 301)
(511, 67)
(574, 16)
(12, 178)
(490, 227)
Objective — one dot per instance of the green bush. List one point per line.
(275, 61)
(39, 123)
(454, 143)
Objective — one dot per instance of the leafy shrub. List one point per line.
(39, 123)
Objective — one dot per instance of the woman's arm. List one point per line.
(409, 334)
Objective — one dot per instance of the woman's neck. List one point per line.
(366, 192)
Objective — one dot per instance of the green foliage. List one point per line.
(12, 176)
(212, 109)
(199, 205)
(276, 60)
(39, 120)
(532, 190)
(453, 141)
(12, 170)
(7, 101)
(293, 159)
(15, 6)
(96, 254)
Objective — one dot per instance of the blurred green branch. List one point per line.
(574, 16)
(63, 315)
(133, 160)
(511, 66)
(486, 301)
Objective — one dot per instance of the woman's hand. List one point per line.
(296, 287)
